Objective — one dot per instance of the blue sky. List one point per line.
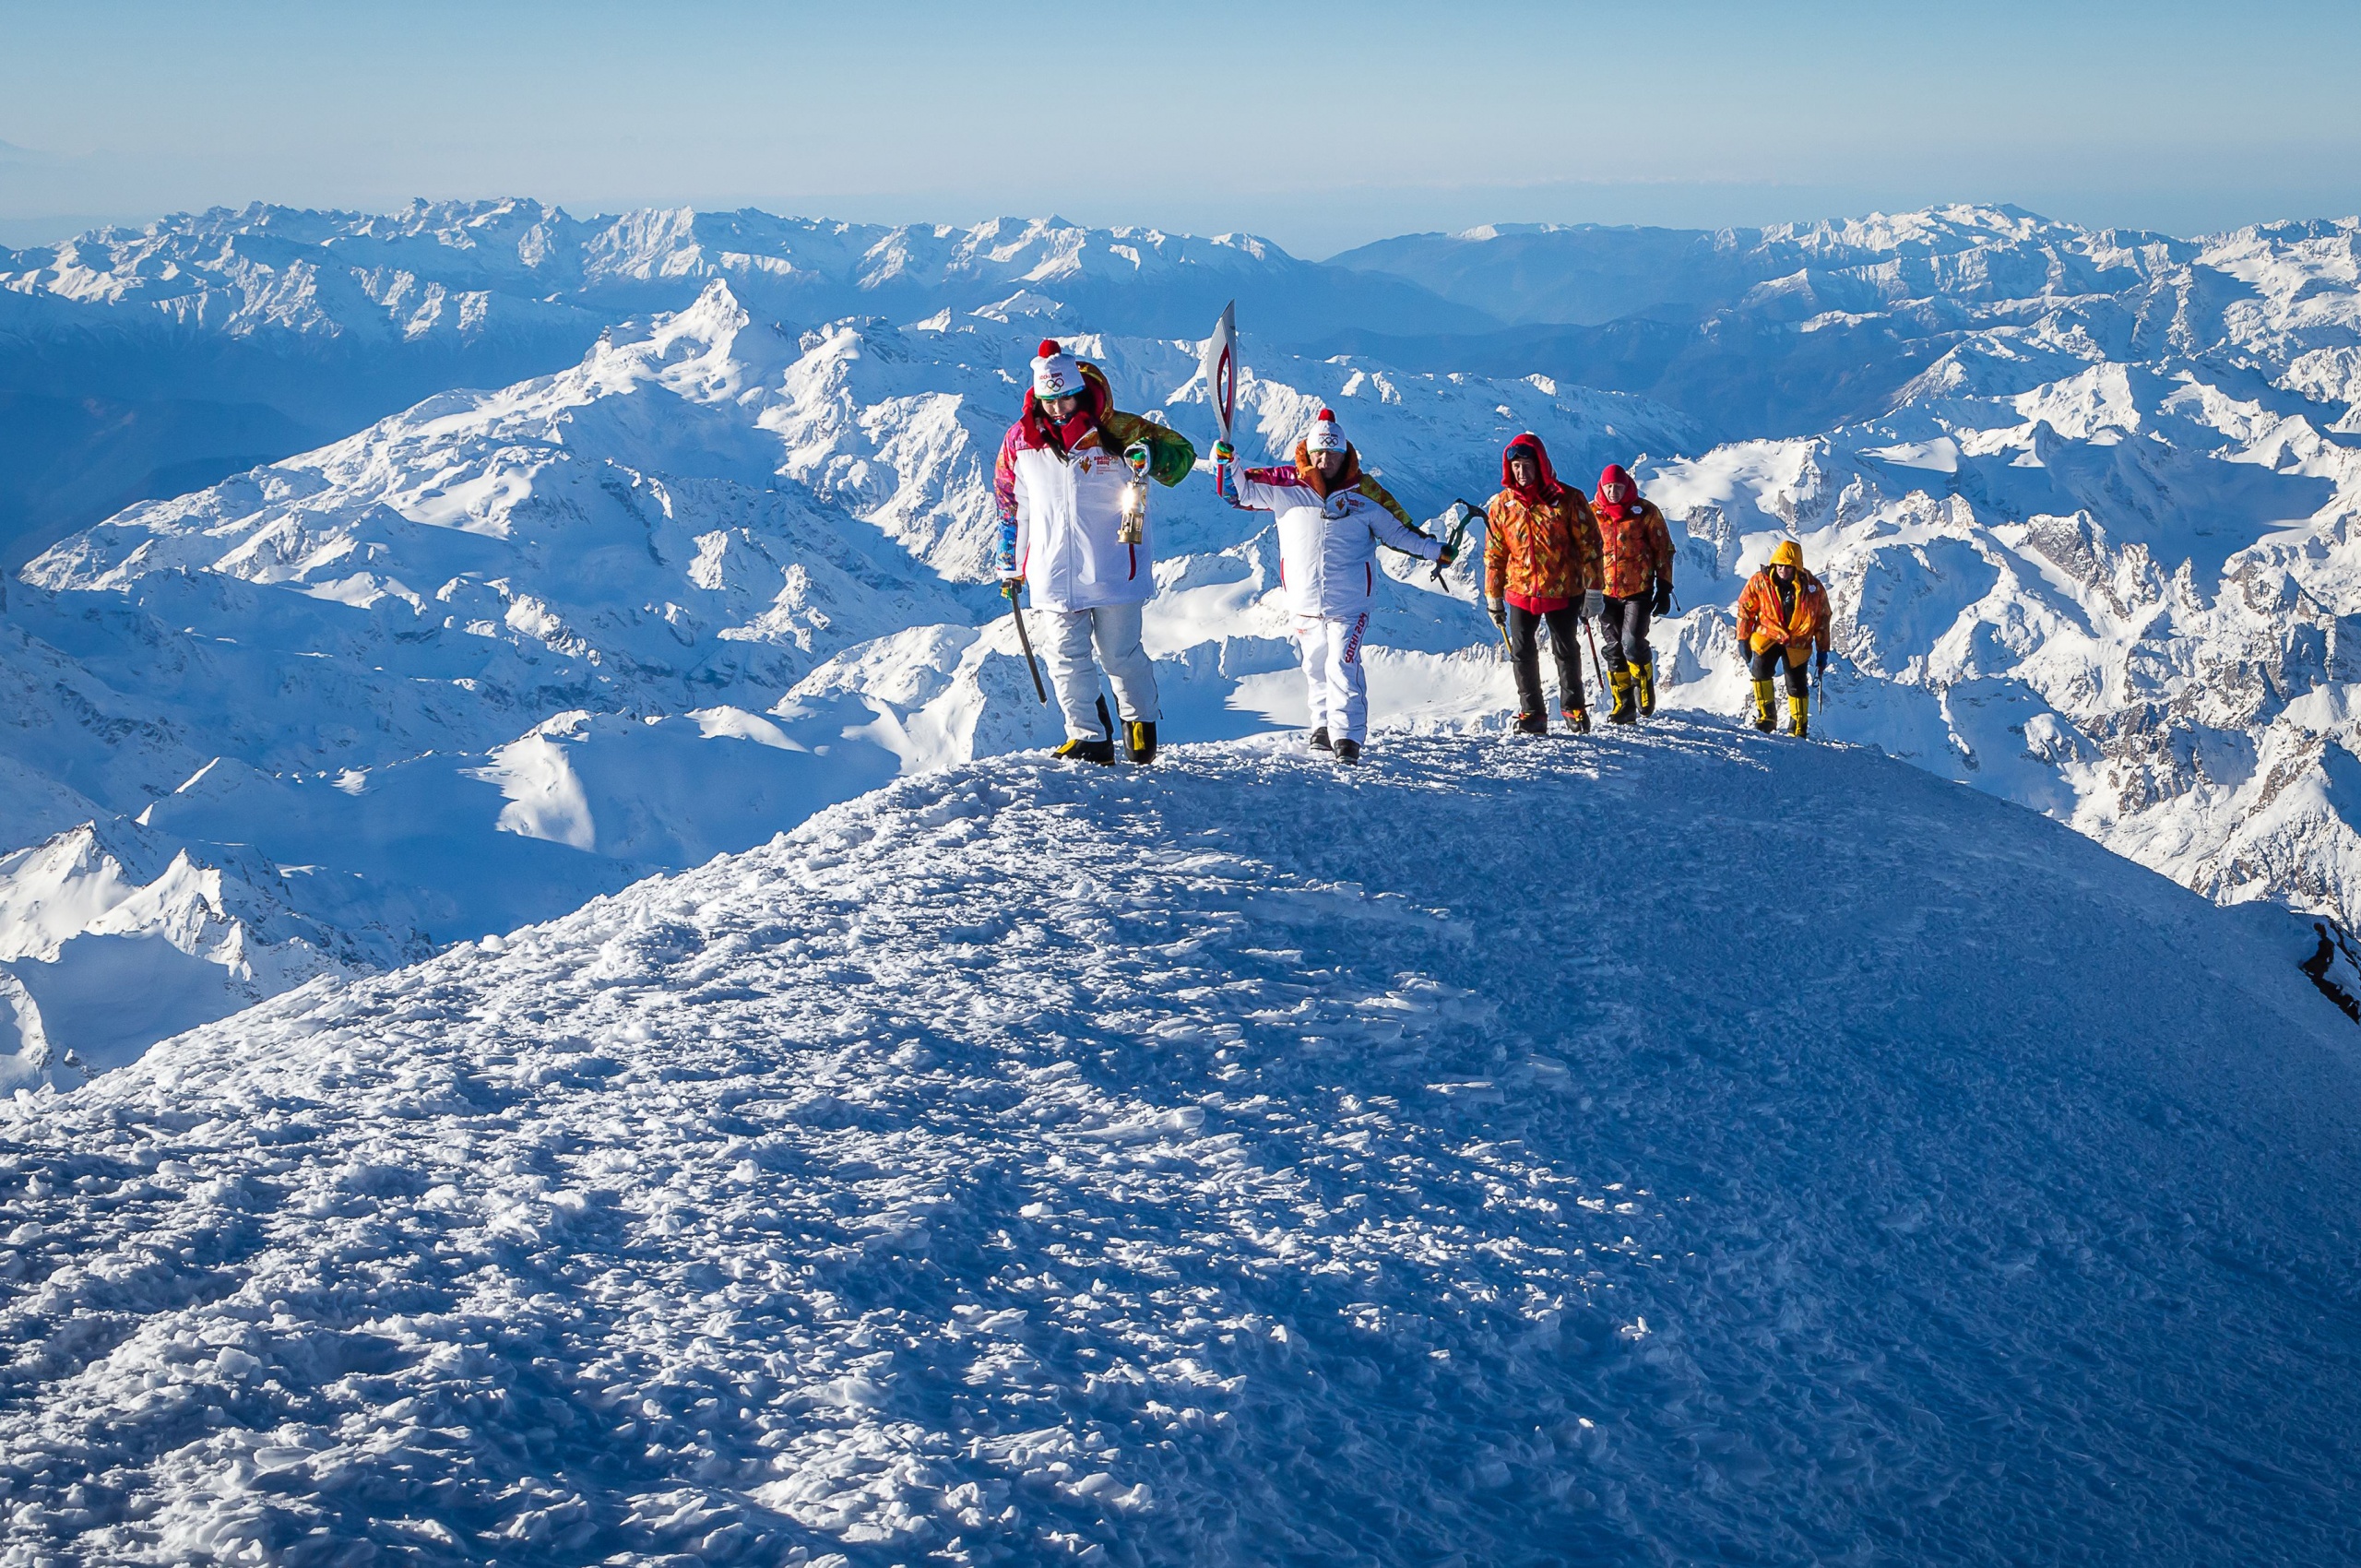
(1319, 125)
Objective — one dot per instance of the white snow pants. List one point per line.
(1333, 676)
(1115, 628)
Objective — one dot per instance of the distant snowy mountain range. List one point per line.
(715, 555)
(139, 365)
(1794, 329)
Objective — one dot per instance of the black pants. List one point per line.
(1524, 627)
(1771, 660)
(1624, 634)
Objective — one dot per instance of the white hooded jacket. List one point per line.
(1327, 546)
(1069, 521)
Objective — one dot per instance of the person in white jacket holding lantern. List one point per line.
(1071, 488)
(1331, 517)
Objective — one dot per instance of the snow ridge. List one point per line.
(1237, 1159)
(506, 650)
(511, 648)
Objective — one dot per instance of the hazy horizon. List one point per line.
(37, 232)
(1319, 131)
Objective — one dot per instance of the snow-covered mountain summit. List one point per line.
(2087, 497)
(508, 649)
(1645, 1152)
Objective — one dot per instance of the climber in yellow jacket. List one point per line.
(1782, 616)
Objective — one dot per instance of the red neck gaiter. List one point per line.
(1618, 496)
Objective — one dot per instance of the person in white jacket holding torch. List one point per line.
(1331, 517)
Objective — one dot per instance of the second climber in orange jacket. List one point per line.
(1782, 616)
(1636, 553)
(1541, 567)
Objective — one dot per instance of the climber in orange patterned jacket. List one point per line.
(1636, 548)
(1782, 616)
(1541, 561)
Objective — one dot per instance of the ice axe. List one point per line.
(1016, 613)
(1468, 513)
(1457, 535)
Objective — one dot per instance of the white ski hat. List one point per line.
(1056, 374)
(1326, 435)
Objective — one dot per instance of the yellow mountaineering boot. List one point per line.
(1626, 707)
(1644, 680)
(1763, 719)
(1799, 707)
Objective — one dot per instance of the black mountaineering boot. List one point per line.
(1532, 724)
(1320, 738)
(1139, 734)
(1577, 720)
(1101, 751)
(1349, 750)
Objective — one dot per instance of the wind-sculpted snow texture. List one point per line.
(1238, 1162)
(2091, 545)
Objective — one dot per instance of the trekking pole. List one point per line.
(1598, 668)
(1017, 612)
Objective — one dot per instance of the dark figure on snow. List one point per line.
(1782, 616)
(1636, 553)
(2316, 968)
(1541, 561)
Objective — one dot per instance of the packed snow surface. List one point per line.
(1669, 1146)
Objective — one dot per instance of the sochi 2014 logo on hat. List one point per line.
(1056, 374)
